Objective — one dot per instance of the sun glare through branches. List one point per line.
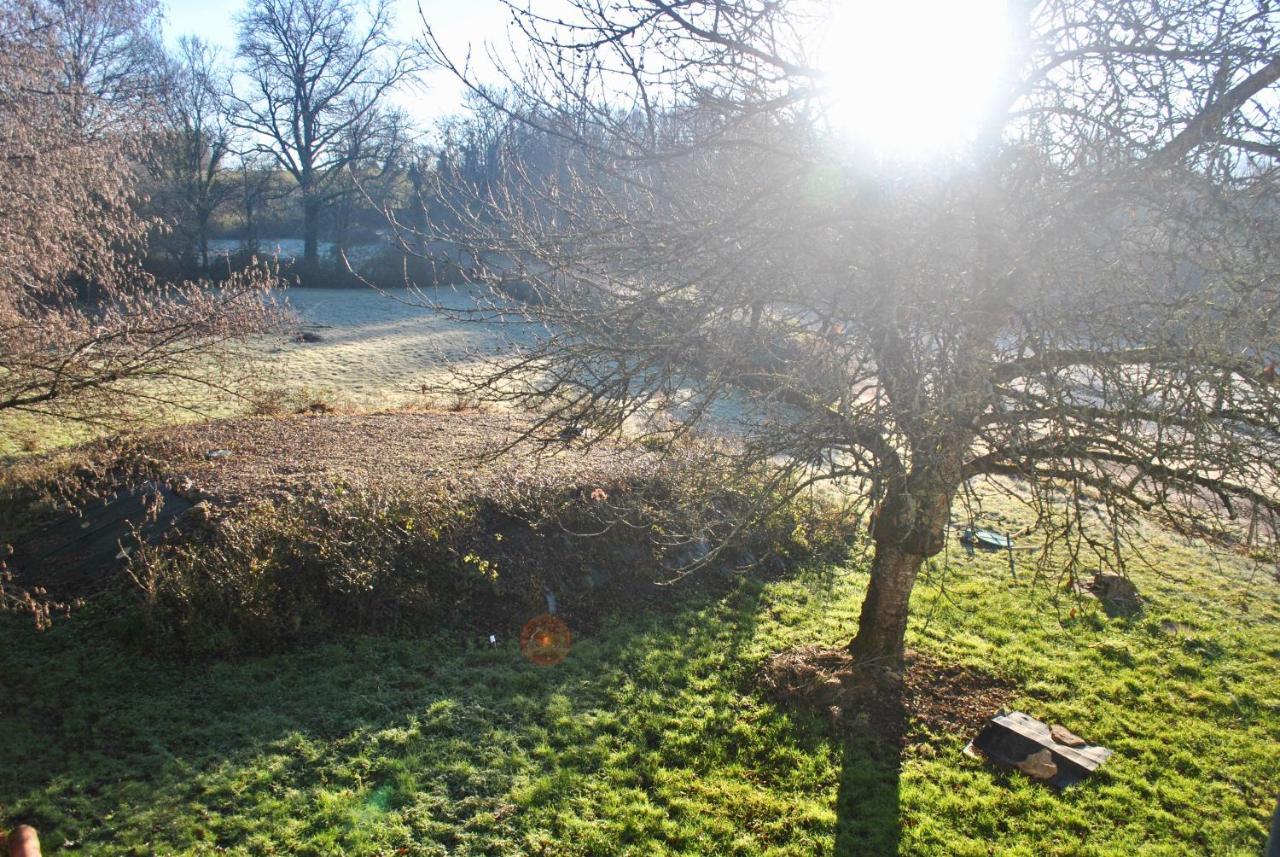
(910, 80)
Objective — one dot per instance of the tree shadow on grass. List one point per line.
(867, 799)
(367, 745)
(875, 714)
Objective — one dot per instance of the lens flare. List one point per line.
(545, 640)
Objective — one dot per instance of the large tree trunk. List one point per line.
(909, 527)
(310, 230)
(882, 626)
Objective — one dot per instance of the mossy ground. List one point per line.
(652, 738)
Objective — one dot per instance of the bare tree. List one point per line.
(375, 150)
(68, 220)
(110, 55)
(1082, 303)
(317, 69)
(472, 147)
(257, 187)
(191, 150)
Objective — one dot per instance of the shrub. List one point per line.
(271, 401)
(388, 268)
(297, 570)
(391, 268)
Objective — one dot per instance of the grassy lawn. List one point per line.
(651, 737)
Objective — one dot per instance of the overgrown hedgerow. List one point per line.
(276, 574)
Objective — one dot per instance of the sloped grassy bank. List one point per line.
(274, 574)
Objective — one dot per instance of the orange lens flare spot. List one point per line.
(545, 640)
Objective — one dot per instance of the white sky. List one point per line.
(458, 23)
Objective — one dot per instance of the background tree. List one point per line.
(1079, 306)
(316, 70)
(472, 147)
(375, 151)
(257, 185)
(68, 218)
(110, 56)
(192, 147)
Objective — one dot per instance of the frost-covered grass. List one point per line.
(376, 350)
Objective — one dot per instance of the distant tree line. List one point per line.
(294, 136)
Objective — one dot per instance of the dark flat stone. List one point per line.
(1009, 739)
(90, 545)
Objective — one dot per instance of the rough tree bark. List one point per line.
(882, 624)
(908, 527)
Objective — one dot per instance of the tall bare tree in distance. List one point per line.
(375, 151)
(1079, 306)
(256, 187)
(316, 71)
(110, 56)
(193, 145)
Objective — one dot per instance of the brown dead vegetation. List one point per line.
(283, 531)
(399, 449)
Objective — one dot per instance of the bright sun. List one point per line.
(911, 79)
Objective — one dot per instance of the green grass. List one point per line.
(651, 738)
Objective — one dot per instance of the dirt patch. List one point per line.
(894, 708)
